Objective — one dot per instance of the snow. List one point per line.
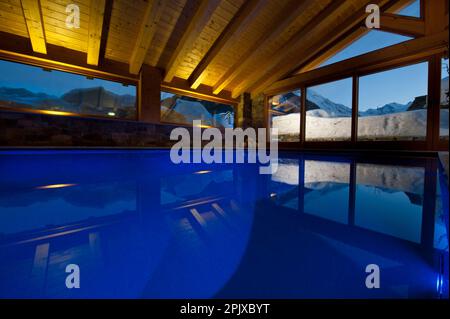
(410, 124)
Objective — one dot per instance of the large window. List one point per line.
(329, 111)
(28, 87)
(393, 104)
(180, 109)
(284, 114)
(444, 100)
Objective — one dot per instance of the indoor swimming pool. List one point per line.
(138, 226)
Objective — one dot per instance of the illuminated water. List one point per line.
(140, 227)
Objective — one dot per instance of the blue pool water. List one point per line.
(138, 226)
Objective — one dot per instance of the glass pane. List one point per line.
(389, 200)
(412, 10)
(329, 111)
(180, 109)
(326, 192)
(393, 104)
(29, 87)
(284, 114)
(369, 42)
(444, 100)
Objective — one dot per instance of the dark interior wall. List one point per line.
(30, 129)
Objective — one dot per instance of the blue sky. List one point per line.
(413, 10)
(379, 89)
(54, 83)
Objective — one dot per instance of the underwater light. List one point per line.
(54, 186)
(202, 172)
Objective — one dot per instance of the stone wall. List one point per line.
(29, 129)
(258, 111)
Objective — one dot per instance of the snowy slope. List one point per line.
(403, 124)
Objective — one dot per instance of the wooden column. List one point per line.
(149, 95)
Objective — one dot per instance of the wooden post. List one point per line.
(149, 95)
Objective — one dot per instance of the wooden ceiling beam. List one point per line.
(96, 17)
(33, 18)
(407, 26)
(152, 16)
(340, 44)
(280, 70)
(284, 61)
(246, 14)
(392, 55)
(200, 19)
(294, 9)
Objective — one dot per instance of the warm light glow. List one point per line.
(53, 186)
(55, 112)
(111, 114)
(204, 126)
(276, 100)
(202, 172)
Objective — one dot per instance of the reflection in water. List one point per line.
(389, 199)
(197, 231)
(284, 184)
(326, 192)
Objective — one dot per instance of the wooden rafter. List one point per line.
(327, 39)
(147, 31)
(295, 9)
(246, 14)
(338, 45)
(402, 25)
(33, 18)
(201, 17)
(284, 61)
(96, 17)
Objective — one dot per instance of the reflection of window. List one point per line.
(29, 87)
(369, 42)
(392, 104)
(284, 114)
(182, 109)
(329, 111)
(284, 184)
(326, 191)
(389, 200)
(444, 100)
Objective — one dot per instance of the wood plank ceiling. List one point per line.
(232, 45)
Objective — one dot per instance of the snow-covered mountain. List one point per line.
(330, 108)
(386, 109)
(89, 100)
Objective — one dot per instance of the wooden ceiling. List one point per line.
(232, 45)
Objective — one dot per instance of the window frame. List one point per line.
(76, 70)
(431, 141)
